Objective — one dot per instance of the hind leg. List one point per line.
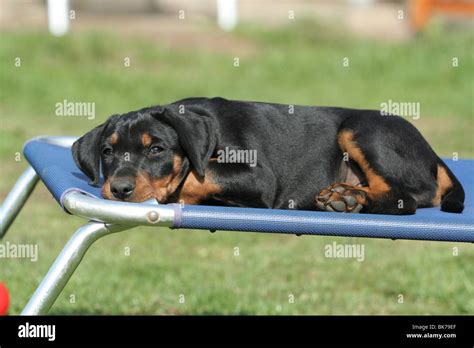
(396, 162)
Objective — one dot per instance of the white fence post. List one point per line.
(227, 14)
(58, 17)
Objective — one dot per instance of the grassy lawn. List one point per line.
(300, 64)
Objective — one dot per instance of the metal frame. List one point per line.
(17, 198)
(148, 213)
(24, 186)
(105, 217)
(65, 264)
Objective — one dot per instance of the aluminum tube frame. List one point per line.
(25, 184)
(148, 213)
(16, 199)
(109, 217)
(65, 265)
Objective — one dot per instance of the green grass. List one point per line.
(300, 64)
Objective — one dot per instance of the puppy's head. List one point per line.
(146, 153)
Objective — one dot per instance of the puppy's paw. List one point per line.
(341, 198)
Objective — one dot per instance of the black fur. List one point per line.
(298, 154)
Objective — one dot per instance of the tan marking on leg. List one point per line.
(146, 139)
(377, 184)
(444, 183)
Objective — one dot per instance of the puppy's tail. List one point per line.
(453, 199)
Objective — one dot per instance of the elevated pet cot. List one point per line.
(51, 161)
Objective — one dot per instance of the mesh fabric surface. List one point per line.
(57, 170)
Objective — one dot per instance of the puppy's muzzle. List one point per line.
(122, 188)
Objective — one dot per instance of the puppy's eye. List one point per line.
(107, 151)
(154, 150)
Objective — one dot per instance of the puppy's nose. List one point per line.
(122, 188)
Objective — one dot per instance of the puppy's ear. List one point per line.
(196, 132)
(86, 153)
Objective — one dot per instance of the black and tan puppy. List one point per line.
(305, 157)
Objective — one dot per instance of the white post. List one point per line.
(58, 17)
(227, 14)
(361, 3)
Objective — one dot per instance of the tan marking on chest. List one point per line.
(196, 189)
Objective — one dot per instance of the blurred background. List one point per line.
(124, 55)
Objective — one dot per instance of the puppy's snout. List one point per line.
(122, 188)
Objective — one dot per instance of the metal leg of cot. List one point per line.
(65, 265)
(16, 199)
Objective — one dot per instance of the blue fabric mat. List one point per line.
(55, 166)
